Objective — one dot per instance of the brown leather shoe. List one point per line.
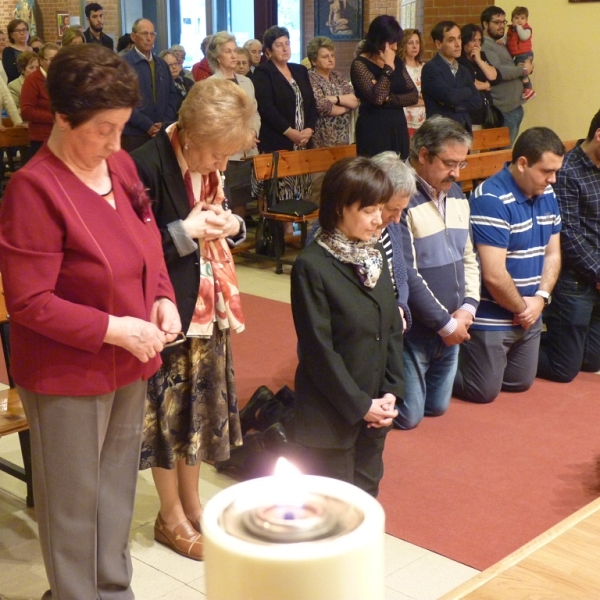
(184, 539)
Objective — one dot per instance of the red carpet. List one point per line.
(265, 353)
(477, 483)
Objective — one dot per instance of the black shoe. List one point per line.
(238, 456)
(286, 396)
(274, 438)
(248, 414)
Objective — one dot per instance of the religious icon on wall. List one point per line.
(25, 10)
(339, 20)
(63, 21)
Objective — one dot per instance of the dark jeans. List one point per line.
(572, 341)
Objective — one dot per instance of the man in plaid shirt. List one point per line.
(572, 342)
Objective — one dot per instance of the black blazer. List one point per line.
(452, 96)
(350, 348)
(160, 172)
(277, 104)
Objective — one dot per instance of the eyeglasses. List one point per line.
(499, 22)
(20, 30)
(180, 339)
(174, 64)
(150, 34)
(453, 164)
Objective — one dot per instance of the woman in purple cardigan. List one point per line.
(91, 308)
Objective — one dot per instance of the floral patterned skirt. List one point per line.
(191, 409)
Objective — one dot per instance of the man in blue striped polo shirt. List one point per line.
(516, 225)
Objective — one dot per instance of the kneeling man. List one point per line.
(516, 225)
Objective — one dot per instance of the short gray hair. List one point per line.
(250, 42)
(177, 48)
(164, 53)
(401, 175)
(214, 48)
(437, 132)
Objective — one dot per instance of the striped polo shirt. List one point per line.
(503, 217)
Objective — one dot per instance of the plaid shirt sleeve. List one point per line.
(578, 192)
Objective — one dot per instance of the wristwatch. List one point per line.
(545, 295)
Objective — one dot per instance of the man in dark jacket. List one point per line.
(94, 14)
(158, 91)
(448, 87)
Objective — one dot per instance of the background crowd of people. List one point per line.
(123, 292)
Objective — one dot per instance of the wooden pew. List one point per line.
(292, 163)
(490, 139)
(10, 138)
(484, 165)
(12, 415)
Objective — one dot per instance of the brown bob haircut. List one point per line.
(86, 79)
(348, 181)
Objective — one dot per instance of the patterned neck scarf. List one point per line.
(219, 294)
(365, 258)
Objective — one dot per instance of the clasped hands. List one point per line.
(534, 305)
(210, 222)
(382, 411)
(145, 339)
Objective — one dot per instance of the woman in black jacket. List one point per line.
(191, 413)
(484, 74)
(286, 105)
(350, 372)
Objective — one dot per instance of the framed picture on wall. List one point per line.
(63, 22)
(584, 0)
(340, 20)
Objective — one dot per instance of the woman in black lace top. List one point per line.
(384, 88)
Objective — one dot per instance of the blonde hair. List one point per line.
(69, 35)
(218, 112)
(214, 48)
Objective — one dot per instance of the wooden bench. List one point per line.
(293, 163)
(490, 139)
(12, 415)
(12, 138)
(484, 165)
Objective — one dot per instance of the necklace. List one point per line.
(107, 193)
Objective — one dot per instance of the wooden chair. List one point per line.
(302, 162)
(12, 415)
(490, 139)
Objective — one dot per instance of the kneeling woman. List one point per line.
(349, 331)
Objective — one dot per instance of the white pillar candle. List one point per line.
(248, 555)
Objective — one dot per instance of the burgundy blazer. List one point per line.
(35, 106)
(68, 261)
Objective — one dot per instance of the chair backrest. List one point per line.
(14, 137)
(301, 162)
(488, 139)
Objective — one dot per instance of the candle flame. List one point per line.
(290, 490)
(284, 468)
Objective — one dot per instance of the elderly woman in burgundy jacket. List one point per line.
(91, 308)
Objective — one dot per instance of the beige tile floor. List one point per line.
(412, 573)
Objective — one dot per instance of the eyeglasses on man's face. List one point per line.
(496, 22)
(22, 30)
(453, 164)
(146, 34)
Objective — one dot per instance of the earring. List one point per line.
(185, 147)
